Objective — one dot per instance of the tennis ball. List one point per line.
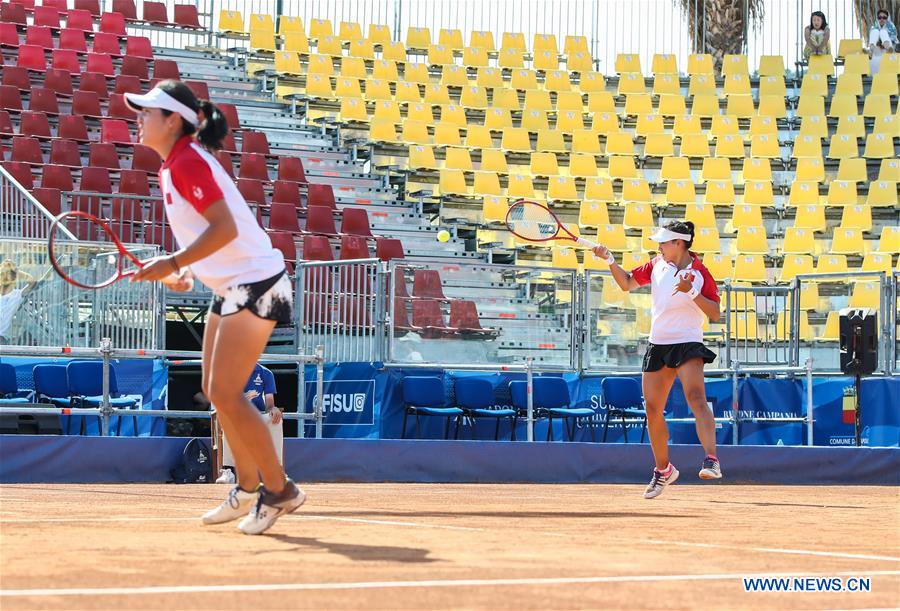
(443, 235)
(111, 259)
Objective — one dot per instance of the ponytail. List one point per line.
(213, 126)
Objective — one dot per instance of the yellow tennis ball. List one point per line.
(443, 235)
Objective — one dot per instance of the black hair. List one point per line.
(213, 126)
(882, 10)
(682, 227)
(818, 14)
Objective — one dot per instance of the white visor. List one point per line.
(157, 98)
(665, 235)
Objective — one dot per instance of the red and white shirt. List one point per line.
(676, 318)
(191, 180)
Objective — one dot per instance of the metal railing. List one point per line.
(20, 213)
(760, 326)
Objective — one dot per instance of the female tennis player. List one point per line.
(222, 245)
(683, 292)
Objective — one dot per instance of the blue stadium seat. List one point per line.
(10, 395)
(622, 399)
(476, 398)
(86, 386)
(51, 385)
(551, 399)
(425, 395)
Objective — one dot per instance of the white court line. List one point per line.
(777, 550)
(430, 583)
(386, 522)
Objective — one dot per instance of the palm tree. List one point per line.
(719, 27)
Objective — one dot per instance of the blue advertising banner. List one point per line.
(352, 399)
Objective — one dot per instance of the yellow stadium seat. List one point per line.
(511, 58)
(730, 146)
(724, 125)
(783, 327)
(810, 216)
(649, 124)
(319, 86)
(849, 46)
(771, 65)
(798, 240)
(446, 134)
(687, 125)
(857, 217)
(702, 84)
(764, 146)
(601, 101)
(882, 193)
(889, 242)
(545, 60)
(876, 105)
(544, 164)
(889, 170)
(810, 169)
(672, 105)
(622, 167)
(551, 140)
(599, 189)
(383, 131)
(379, 34)
(288, 63)
(497, 118)
(321, 64)
(735, 64)
(694, 145)
(593, 262)
(737, 83)
(592, 214)
(759, 193)
(803, 193)
(877, 262)
(631, 83)
(740, 105)
(701, 215)
(494, 208)
(262, 41)
(890, 64)
(563, 257)
(515, 139)
(700, 63)
(486, 183)
(505, 98)
(385, 69)
(537, 100)
(807, 146)
(451, 38)
(452, 114)
(347, 88)
(408, 92)
(585, 141)
(514, 40)
(569, 101)
(795, 265)
(638, 215)
(752, 240)
(453, 76)
(847, 241)
(853, 170)
(743, 216)
(884, 83)
(813, 85)
(706, 240)
(562, 188)
(831, 331)
(520, 186)
(772, 86)
(750, 268)
(716, 169)
(842, 146)
(557, 80)
(474, 97)
(628, 63)
(418, 38)
(613, 237)
(814, 126)
(810, 105)
(879, 146)
(353, 110)
(290, 25)
(848, 84)
(580, 61)
(659, 145)
(592, 82)
(856, 65)
(851, 125)
(568, 121)
(756, 170)
(452, 182)
(680, 191)
(582, 165)
(666, 84)
(620, 143)
(841, 193)
(415, 132)
(675, 168)
(421, 157)
(416, 73)
(296, 42)
(720, 266)
(457, 158)
(705, 106)
(320, 28)
(494, 160)
(821, 64)
(772, 106)
(575, 44)
(437, 94)
(482, 40)
(636, 190)
(329, 45)
(545, 42)
(719, 192)
(523, 79)
(664, 63)
(866, 295)
(887, 125)
(349, 31)
(475, 57)
(231, 22)
(353, 67)
(394, 50)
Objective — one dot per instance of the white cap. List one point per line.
(157, 98)
(665, 235)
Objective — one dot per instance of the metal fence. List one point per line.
(21, 215)
(760, 325)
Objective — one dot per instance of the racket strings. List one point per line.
(82, 261)
(532, 221)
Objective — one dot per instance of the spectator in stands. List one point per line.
(683, 292)
(222, 244)
(817, 35)
(14, 285)
(882, 39)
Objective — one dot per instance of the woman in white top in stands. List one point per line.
(11, 295)
(882, 39)
(683, 292)
(222, 245)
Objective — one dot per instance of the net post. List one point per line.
(320, 389)
(529, 396)
(105, 408)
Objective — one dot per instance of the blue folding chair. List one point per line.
(10, 395)
(424, 395)
(476, 398)
(86, 386)
(623, 399)
(551, 399)
(51, 385)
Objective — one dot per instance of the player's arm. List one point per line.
(622, 277)
(274, 412)
(691, 284)
(709, 307)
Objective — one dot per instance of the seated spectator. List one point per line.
(817, 36)
(14, 285)
(882, 39)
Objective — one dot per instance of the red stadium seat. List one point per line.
(355, 312)
(320, 220)
(320, 195)
(49, 199)
(73, 40)
(65, 152)
(428, 316)
(66, 59)
(356, 222)
(73, 127)
(43, 100)
(87, 104)
(96, 82)
(95, 180)
(254, 166)
(252, 191)
(61, 5)
(200, 89)
(464, 316)
(21, 173)
(286, 192)
(137, 67)
(47, 16)
(103, 155)
(283, 217)
(291, 168)
(285, 243)
(18, 77)
(28, 4)
(401, 316)
(119, 110)
(145, 159)
(155, 13)
(32, 58)
(91, 6)
(12, 12)
(157, 213)
(6, 126)
(316, 248)
(127, 83)
(228, 143)
(400, 289)
(166, 69)
(254, 142)
(114, 131)
(10, 98)
(354, 247)
(107, 43)
(126, 8)
(27, 150)
(224, 158)
(80, 19)
(139, 46)
(39, 36)
(231, 115)
(59, 81)
(127, 210)
(57, 177)
(186, 15)
(100, 62)
(35, 124)
(388, 248)
(161, 235)
(427, 284)
(9, 35)
(134, 182)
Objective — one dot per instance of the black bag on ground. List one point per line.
(195, 466)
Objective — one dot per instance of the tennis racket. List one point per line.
(92, 266)
(535, 222)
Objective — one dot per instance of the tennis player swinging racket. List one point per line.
(223, 245)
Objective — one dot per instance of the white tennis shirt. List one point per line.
(676, 319)
(191, 180)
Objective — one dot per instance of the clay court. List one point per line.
(403, 546)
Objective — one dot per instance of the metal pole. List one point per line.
(320, 388)
(735, 406)
(809, 402)
(105, 408)
(529, 397)
(301, 398)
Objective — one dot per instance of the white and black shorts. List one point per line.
(272, 299)
(675, 355)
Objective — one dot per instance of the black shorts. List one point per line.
(674, 355)
(271, 299)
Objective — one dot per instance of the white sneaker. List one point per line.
(711, 469)
(270, 507)
(227, 477)
(236, 504)
(659, 482)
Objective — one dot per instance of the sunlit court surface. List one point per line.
(437, 546)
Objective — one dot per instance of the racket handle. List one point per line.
(586, 243)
